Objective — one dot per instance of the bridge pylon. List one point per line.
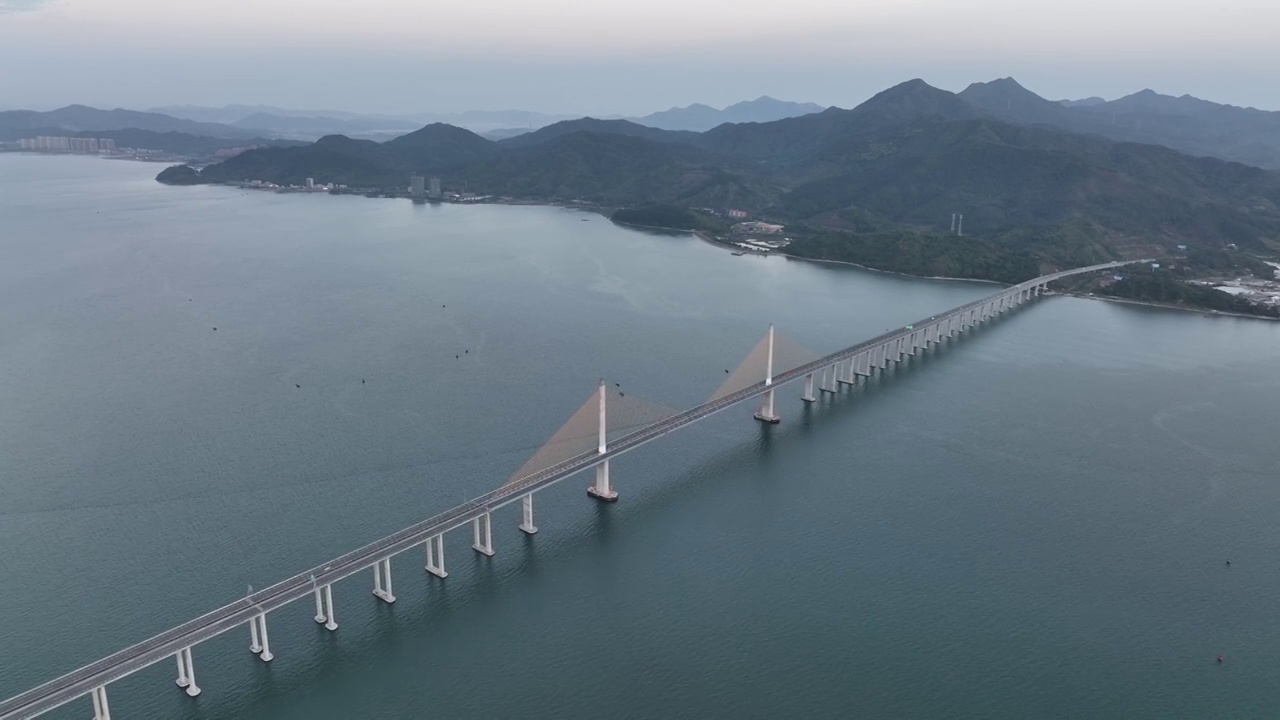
(766, 412)
(600, 489)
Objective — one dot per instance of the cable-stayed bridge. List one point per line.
(606, 427)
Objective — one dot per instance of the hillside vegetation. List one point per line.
(876, 185)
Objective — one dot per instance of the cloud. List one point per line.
(13, 6)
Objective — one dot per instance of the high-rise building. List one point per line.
(435, 193)
(416, 185)
(311, 183)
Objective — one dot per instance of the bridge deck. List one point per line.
(168, 643)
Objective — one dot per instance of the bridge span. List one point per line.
(842, 367)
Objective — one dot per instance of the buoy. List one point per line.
(1220, 658)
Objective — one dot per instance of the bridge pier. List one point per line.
(101, 710)
(186, 674)
(261, 621)
(825, 387)
(255, 643)
(526, 521)
(862, 364)
(482, 532)
(766, 414)
(435, 556)
(602, 490)
(842, 378)
(808, 389)
(324, 608)
(382, 581)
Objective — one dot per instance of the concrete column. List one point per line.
(768, 368)
(766, 413)
(526, 507)
(266, 655)
(320, 616)
(482, 530)
(331, 622)
(101, 710)
(601, 490)
(182, 680)
(808, 389)
(192, 689)
(842, 377)
(824, 387)
(435, 556)
(862, 364)
(382, 581)
(255, 643)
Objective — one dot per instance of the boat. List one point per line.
(739, 253)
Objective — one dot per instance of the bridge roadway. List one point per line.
(169, 643)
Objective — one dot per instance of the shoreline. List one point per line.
(711, 240)
(716, 243)
(1168, 306)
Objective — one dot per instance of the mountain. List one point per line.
(75, 118)
(618, 169)
(1185, 123)
(876, 184)
(604, 127)
(230, 114)
(800, 141)
(434, 149)
(312, 127)
(438, 148)
(700, 117)
(1011, 102)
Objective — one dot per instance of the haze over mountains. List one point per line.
(699, 117)
(497, 124)
(1184, 123)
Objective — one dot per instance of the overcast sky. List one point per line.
(619, 56)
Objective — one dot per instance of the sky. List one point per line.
(619, 57)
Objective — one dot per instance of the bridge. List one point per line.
(844, 366)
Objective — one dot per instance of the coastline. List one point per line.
(711, 240)
(1169, 306)
(716, 243)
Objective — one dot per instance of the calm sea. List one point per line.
(1032, 522)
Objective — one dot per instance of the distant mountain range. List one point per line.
(75, 118)
(699, 118)
(1194, 126)
(888, 172)
(315, 123)
(497, 124)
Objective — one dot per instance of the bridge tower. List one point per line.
(601, 490)
(766, 413)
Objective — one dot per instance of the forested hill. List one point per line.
(902, 162)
